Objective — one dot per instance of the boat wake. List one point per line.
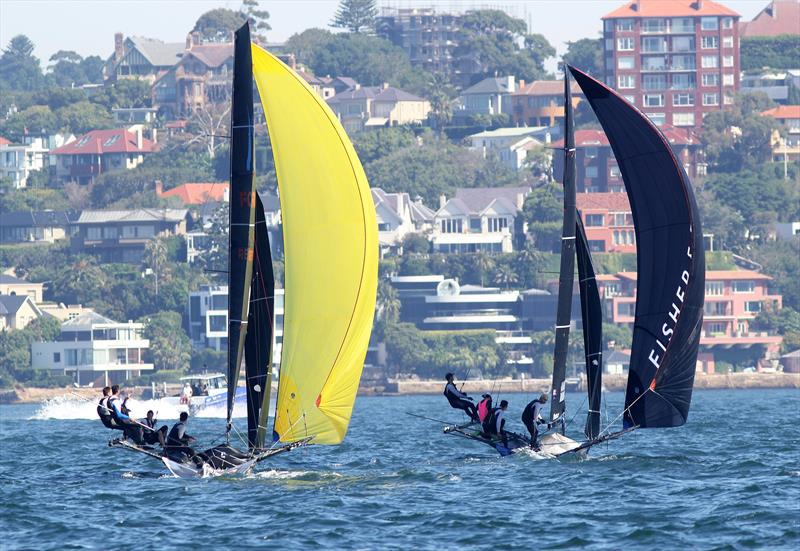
(71, 407)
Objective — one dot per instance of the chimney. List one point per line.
(139, 138)
(442, 201)
(521, 84)
(119, 49)
(520, 200)
(510, 83)
(189, 41)
(385, 85)
(159, 188)
(358, 86)
(197, 38)
(154, 135)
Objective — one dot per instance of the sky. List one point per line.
(88, 26)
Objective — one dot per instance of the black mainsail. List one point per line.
(242, 209)
(566, 276)
(592, 317)
(258, 343)
(670, 262)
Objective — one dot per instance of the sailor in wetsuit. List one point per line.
(458, 399)
(155, 435)
(178, 442)
(495, 423)
(531, 418)
(105, 412)
(129, 426)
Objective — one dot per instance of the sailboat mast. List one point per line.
(566, 275)
(242, 210)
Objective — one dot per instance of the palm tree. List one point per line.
(83, 282)
(505, 275)
(440, 92)
(483, 263)
(155, 258)
(388, 302)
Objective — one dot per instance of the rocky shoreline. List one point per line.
(33, 395)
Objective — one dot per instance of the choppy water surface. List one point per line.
(729, 479)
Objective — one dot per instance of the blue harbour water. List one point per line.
(729, 479)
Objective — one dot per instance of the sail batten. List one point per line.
(331, 252)
(670, 262)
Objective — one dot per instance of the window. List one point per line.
(217, 324)
(219, 302)
(752, 306)
(654, 25)
(716, 328)
(653, 44)
(715, 288)
(654, 82)
(709, 62)
(710, 79)
(625, 44)
(727, 61)
(622, 218)
(714, 308)
(727, 22)
(614, 172)
(591, 171)
(727, 80)
(626, 309)
(497, 224)
(475, 225)
(627, 81)
(727, 42)
(590, 152)
(709, 43)
(683, 82)
(683, 119)
(710, 99)
(110, 232)
(654, 100)
(657, 118)
(744, 286)
(625, 62)
(93, 232)
(683, 25)
(709, 23)
(611, 290)
(624, 24)
(597, 246)
(654, 63)
(682, 99)
(56, 357)
(451, 225)
(683, 44)
(609, 44)
(594, 220)
(727, 99)
(683, 62)
(630, 99)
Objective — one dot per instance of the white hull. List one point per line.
(182, 470)
(556, 444)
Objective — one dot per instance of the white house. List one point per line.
(479, 219)
(491, 96)
(93, 348)
(398, 216)
(511, 145)
(17, 161)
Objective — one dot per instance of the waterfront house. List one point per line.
(511, 145)
(608, 221)
(46, 226)
(480, 219)
(785, 141)
(366, 107)
(11, 285)
(541, 103)
(17, 311)
(93, 348)
(121, 235)
(99, 151)
(196, 193)
(490, 96)
(398, 216)
(141, 58)
(18, 160)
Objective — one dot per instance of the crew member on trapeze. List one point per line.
(458, 399)
(531, 418)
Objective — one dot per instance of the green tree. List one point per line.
(126, 92)
(491, 40)
(483, 264)
(355, 15)
(381, 142)
(19, 68)
(67, 69)
(781, 260)
(170, 347)
(15, 348)
(587, 55)
(258, 19)
(440, 92)
(155, 258)
(780, 321)
(774, 52)
(543, 211)
(415, 243)
(217, 25)
(81, 283)
(505, 276)
(84, 116)
(405, 347)
(34, 119)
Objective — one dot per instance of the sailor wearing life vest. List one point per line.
(531, 418)
(104, 411)
(458, 399)
(495, 422)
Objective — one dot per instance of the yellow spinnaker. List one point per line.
(331, 256)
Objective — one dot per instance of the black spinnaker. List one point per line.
(242, 209)
(670, 262)
(258, 343)
(592, 317)
(566, 275)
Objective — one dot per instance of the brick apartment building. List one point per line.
(596, 167)
(733, 299)
(674, 60)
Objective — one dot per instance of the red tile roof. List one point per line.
(547, 88)
(783, 112)
(779, 17)
(595, 138)
(715, 275)
(100, 142)
(4, 141)
(670, 8)
(610, 202)
(198, 193)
